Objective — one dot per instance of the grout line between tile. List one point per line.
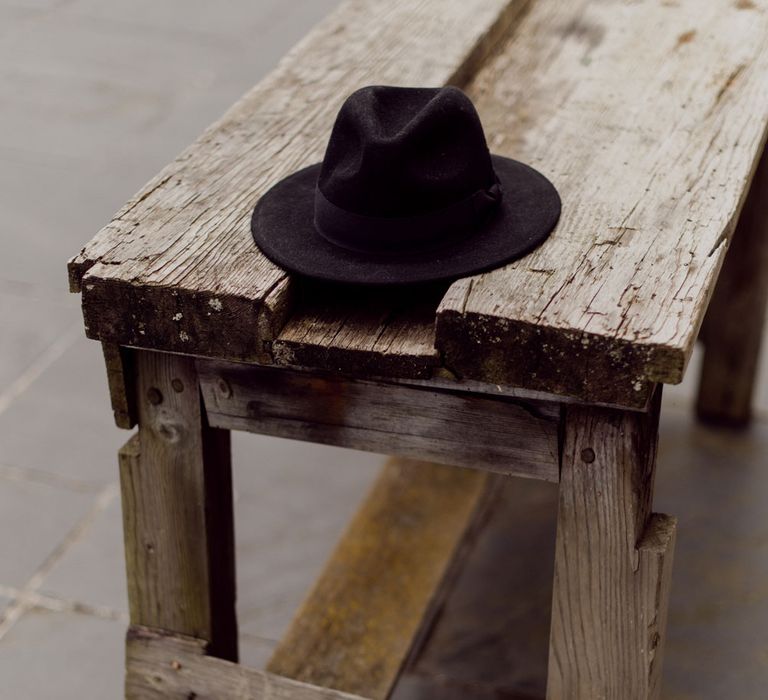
(42, 362)
(27, 597)
(40, 476)
(56, 604)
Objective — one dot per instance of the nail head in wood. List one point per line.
(178, 385)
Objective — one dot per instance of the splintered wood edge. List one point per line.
(572, 286)
(112, 313)
(357, 626)
(411, 355)
(594, 369)
(162, 665)
(136, 294)
(635, 364)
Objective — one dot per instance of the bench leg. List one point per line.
(733, 326)
(176, 486)
(613, 560)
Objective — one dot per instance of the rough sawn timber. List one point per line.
(372, 333)
(496, 433)
(371, 603)
(178, 523)
(177, 269)
(613, 559)
(161, 666)
(121, 380)
(649, 118)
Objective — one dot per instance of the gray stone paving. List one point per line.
(94, 98)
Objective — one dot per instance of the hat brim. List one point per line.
(282, 227)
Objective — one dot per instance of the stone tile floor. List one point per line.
(95, 97)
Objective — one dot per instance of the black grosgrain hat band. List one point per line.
(402, 233)
(407, 193)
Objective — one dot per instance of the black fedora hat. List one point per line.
(407, 192)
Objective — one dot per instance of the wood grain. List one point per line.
(357, 625)
(733, 326)
(174, 667)
(445, 381)
(613, 560)
(499, 434)
(178, 527)
(649, 118)
(121, 382)
(384, 333)
(177, 269)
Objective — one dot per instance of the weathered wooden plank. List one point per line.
(174, 667)
(443, 379)
(610, 304)
(360, 620)
(733, 326)
(613, 560)
(120, 378)
(178, 527)
(177, 269)
(649, 118)
(504, 435)
(385, 333)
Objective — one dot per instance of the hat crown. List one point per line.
(396, 152)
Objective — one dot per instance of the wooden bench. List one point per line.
(651, 120)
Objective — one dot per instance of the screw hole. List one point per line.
(154, 396)
(224, 389)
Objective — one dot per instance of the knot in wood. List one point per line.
(169, 430)
(588, 455)
(178, 385)
(224, 389)
(154, 396)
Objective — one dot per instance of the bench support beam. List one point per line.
(502, 434)
(119, 361)
(176, 485)
(381, 587)
(162, 666)
(733, 326)
(613, 560)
